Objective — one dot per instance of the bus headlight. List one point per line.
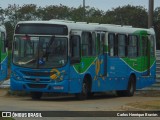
(16, 76)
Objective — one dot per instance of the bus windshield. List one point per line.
(39, 52)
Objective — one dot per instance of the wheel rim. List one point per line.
(131, 87)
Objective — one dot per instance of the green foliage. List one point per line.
(11, 12)
(27, 12)
(53, 12)
(77, 14)
(10, 31)
(126, 15)
(157, 26)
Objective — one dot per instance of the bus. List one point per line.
(3, 54)
(81, 58)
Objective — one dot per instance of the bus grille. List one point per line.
(37, 85)
(42, 74)
(37, 80)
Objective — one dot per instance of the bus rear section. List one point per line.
(132, 60)
(3, 54)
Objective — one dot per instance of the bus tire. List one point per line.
(85, 91)
(131, 86)
(36, 95)
(120, 93)
(130, 89)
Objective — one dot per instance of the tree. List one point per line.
(53, 12)
(27, 12)
(11, 14)
(127, 15)
(77, 14)
(157, 26)
(10, 32)
(94, 15)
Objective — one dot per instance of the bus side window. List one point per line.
(121, 45)
(86, 44)
(144, 45)
(152, 41)
(100, 42)
(93, 43)
(111, 41)
(132, 46)
(75, 49)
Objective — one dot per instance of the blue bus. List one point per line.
(3, 54)
(82, 59)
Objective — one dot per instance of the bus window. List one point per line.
(132, 46)
(144, 45)
(111, 41)
(75, 49)
(86, 44)
(152, 41)
(98, 43)
(102, 42)
(93, 43)
(121, 45)
(3, 43)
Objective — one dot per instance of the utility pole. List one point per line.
(150, 13)
(84, 10)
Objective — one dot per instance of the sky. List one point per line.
(99, 4)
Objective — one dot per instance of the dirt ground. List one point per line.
(142, 100)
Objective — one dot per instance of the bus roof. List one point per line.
(92, 26)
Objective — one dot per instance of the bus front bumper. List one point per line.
(59, 87)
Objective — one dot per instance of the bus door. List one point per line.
(101, 63)
(3, 66)
(145, 56)
(75, 60)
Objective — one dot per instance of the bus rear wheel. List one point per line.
(131, 86)
(130, 89)
(36, 95)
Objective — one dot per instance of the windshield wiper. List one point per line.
(48, 47)
(29, 41)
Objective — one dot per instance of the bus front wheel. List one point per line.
(36, 95)
(85, 91)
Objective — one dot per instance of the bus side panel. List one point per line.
(145, 81)
(75, 81)
(117, 74)
(120, 70)
(3, 68)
